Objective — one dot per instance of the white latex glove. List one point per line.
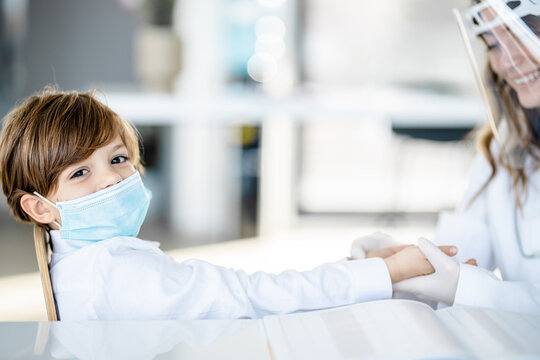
(361, 246)
(439, 286)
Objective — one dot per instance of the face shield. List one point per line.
(503, 35)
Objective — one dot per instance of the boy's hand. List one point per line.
(411, 262)
(386, 251)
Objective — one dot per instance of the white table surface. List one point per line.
(201, 339)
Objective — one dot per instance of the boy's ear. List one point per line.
(37, 209)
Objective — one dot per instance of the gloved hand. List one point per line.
(362, 247)
(439, 286)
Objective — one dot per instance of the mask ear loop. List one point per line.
(48, 201)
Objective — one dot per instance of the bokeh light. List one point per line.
(270, 44)
(270, 25)
(262, 67)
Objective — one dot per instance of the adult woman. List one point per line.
(498, 222)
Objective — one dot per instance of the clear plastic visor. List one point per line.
(504, 36)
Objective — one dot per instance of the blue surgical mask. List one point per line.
(118, 210)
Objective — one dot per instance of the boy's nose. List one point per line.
(109, 179)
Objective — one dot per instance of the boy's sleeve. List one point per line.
(143, 285)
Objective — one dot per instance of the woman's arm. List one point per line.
(479, 287)
(462, 284)
(468, 227)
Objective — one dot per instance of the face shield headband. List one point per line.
(491, 14)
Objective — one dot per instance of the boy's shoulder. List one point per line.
(106, 250)
(126, 243)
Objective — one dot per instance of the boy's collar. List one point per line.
(62, 247)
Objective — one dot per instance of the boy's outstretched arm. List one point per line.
(134, 284)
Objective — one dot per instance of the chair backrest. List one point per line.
(41, 242)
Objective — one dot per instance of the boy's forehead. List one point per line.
(116, 143)
(113, 145)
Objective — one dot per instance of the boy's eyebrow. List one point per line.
(118, 146)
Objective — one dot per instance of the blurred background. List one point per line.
(294, 124)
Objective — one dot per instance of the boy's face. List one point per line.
(107, 166)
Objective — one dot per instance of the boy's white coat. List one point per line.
(486, 231)
(128, 278)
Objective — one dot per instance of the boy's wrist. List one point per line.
(393, 270)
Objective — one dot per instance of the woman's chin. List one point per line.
(529, 101)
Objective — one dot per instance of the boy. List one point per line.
(70, 164)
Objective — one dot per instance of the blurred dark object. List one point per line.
(159, 12)
(435, 134)
(5, 53)
(11, 31)
(77, 44)
(150, 146)
(250, 152)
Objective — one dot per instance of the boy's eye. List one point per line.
(79, 173)
(119, 159)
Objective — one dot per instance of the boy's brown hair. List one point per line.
(50, 131)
